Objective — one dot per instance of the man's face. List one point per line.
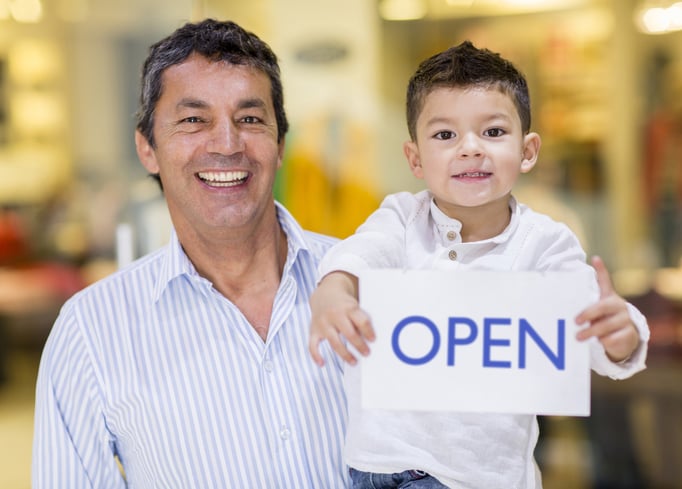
(216, 145)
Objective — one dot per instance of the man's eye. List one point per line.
(495, 132)
(249, 119)
(444, 135)
(192, 120)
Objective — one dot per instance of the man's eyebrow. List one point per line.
(252, 103)
(191, 103)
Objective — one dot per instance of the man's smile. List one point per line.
(223, 178)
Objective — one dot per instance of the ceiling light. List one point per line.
(26, 10)
(402, 9)
(659, 18)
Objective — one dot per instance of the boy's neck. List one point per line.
(484, 222)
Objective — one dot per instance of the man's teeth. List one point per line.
(223, 178)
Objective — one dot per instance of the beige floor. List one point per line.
(567, 465)
(16, 421)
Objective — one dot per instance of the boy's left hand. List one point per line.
(609, 319)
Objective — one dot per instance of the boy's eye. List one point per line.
(444, 135)
(494, 132)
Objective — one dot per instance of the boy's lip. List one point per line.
(472, 174)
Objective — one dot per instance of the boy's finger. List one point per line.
(314, 349)
(363, 324)
(603, 277)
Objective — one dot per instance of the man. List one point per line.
(190, 368)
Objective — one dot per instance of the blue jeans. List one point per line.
(410, 479)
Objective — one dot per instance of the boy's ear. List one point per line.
(146, 153)
(531, 150)
(411, 151)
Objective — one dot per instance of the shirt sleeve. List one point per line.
(378, 243)
(562, 251)
(71, 445)
(635, 363)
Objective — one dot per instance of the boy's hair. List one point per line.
(217, 41)
(466, 66)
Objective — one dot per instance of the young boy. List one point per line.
(468, 115)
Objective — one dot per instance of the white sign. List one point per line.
(476, 341)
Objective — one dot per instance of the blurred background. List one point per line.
(606, 84)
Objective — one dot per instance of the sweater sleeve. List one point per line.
(378, 243)
(562, 251)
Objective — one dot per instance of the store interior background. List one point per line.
(607, 100)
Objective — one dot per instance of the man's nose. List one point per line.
(225, 138)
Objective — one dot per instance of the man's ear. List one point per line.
(411, 151)
(280, 152)
(146, 153)
(531, 151)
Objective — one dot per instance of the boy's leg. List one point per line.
(409, 479)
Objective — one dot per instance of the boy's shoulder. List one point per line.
(528, 213)
(407, 202)
(545, 225)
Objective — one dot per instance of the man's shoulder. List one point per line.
(139, 275)
(318, 243)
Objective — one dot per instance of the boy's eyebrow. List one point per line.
(491, 117)
(438, 120)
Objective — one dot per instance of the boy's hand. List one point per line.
(335, 315)
(609, 319)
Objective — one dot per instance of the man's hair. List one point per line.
(466, 66)
(217, 41)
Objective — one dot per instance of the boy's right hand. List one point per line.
(335, 315)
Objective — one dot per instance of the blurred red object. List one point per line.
(13, 240)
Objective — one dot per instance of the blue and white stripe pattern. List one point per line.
(155, 367)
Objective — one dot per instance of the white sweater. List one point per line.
(462, 450)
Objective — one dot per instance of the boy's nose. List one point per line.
(469, 146)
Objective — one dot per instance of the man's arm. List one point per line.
(70, 447)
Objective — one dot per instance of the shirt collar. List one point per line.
(176, 263)
(444, 222)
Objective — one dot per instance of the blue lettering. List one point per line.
(559, 360)
(489, 342)
(395, 340)
(452, 337)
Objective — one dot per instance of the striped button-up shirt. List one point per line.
(150, 378)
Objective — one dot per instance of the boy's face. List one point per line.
(470, 148)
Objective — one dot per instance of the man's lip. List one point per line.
(223, 178)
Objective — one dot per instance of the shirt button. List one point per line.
(268, 366)
(452, 254)
(451, 235)
(284, 433)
